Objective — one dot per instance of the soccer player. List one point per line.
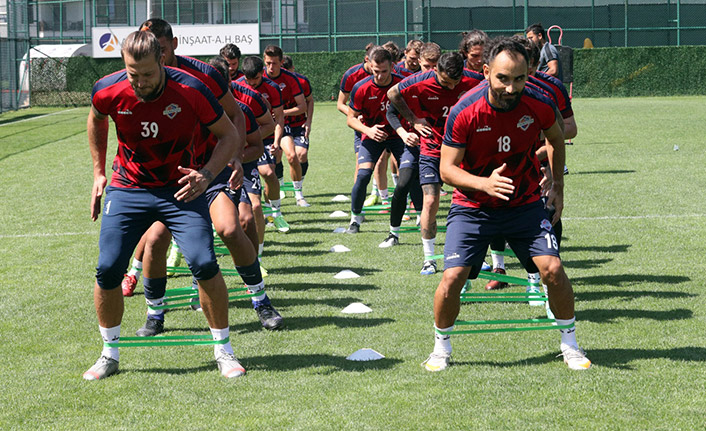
(294, 103)
(300, 129)
(411, 56)
(156, 111)
(488, 155)
(425, 100)
(369, 101)
(471, 47)
(549, 61)
(429, 56)
(158, 236)
(253, 69)
(231, 53)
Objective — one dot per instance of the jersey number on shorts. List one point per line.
(551, 241)
(149, 129)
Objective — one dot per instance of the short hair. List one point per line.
(287, 62)
(470, 39)
(159, 27)
(393, 49)
(451, 63)
(379, 55)
(537, 28)
(430, 52)
(230, 52)
(414, 44)
(273, 51)
(501, 44)
(252, 65)
(532, 48)
(221, 65)
(140, 45)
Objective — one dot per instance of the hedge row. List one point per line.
(598, 72)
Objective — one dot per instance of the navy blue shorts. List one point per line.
(370, 151)
(527, 229)
(429, 170)
(266, 158)
(220, 184)
(251, 179)
(357, 137)
(128, 213)
(410, 158)
(298, 136)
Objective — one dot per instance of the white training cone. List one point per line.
(340, 198)
(357, 308)
(338, 248)
(346, 273)
(338, 214)
(339, 230)
(365, 355)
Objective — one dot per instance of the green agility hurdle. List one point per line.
(182, 297)
(169, 340)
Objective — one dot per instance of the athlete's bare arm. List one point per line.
(342, 103)
(299, 109)
(266, 123)
(557, 159)
(97, 128)
(496, 185)
(376, 132)
(309, 115)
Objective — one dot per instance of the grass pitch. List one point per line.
(634, 236)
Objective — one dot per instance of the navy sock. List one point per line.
(359, 188)
(305, 168)
(250, 274)
(279, 170)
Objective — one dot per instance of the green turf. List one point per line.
(634, 236)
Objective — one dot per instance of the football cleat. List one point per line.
(128, 285)
(575, 358)
(436, 362)
(391, 240)
(494, 284)
(103, 368)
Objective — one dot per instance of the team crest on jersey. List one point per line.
(546, 225)
(171, 111)
(525, 122)
(282, 85)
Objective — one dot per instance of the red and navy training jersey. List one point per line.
(352, 76)
(492, 137)
(269, 91)
(250, 127)
(563, 101)
(205, 73)
(251, 98)
(298, 120)
(154, 138)
(289, 86)
(371, 101)
(401, 70)
(429, 100)
(238, 74)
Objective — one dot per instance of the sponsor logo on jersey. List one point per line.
(484, 129)
(125, 112)
(372, 98)
(546, 225)
(433, 98)
(525, 122)
(171, 111)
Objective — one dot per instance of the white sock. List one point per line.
(375, 190)
(395, 178)
(281, 181)
(136, 268)
(395, 231)
(218, 335)
(568, 335)
(442, 342)
(428, 245)
(255, 288)
(357, 218)
(276, 204)
(155, 303)
(384, 194)
(110, 335)
(260, 249)
(298, 190)
(498, 260)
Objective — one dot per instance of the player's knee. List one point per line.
(553, 271)
(203, 266)
(364, 174)
(108, 276)
(230, 232)
(157, 240)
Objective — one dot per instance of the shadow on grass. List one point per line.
(627, 279)
(619, 248)
(338, 303)
(610, 358)
(300, 287)
(330, 362)
(585, 263)
(611, 316)
(303, 244)
(613, 171)
(629, 295)
(333, 270)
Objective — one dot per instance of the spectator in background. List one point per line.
(548, 55)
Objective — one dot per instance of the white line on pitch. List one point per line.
(36, 118)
